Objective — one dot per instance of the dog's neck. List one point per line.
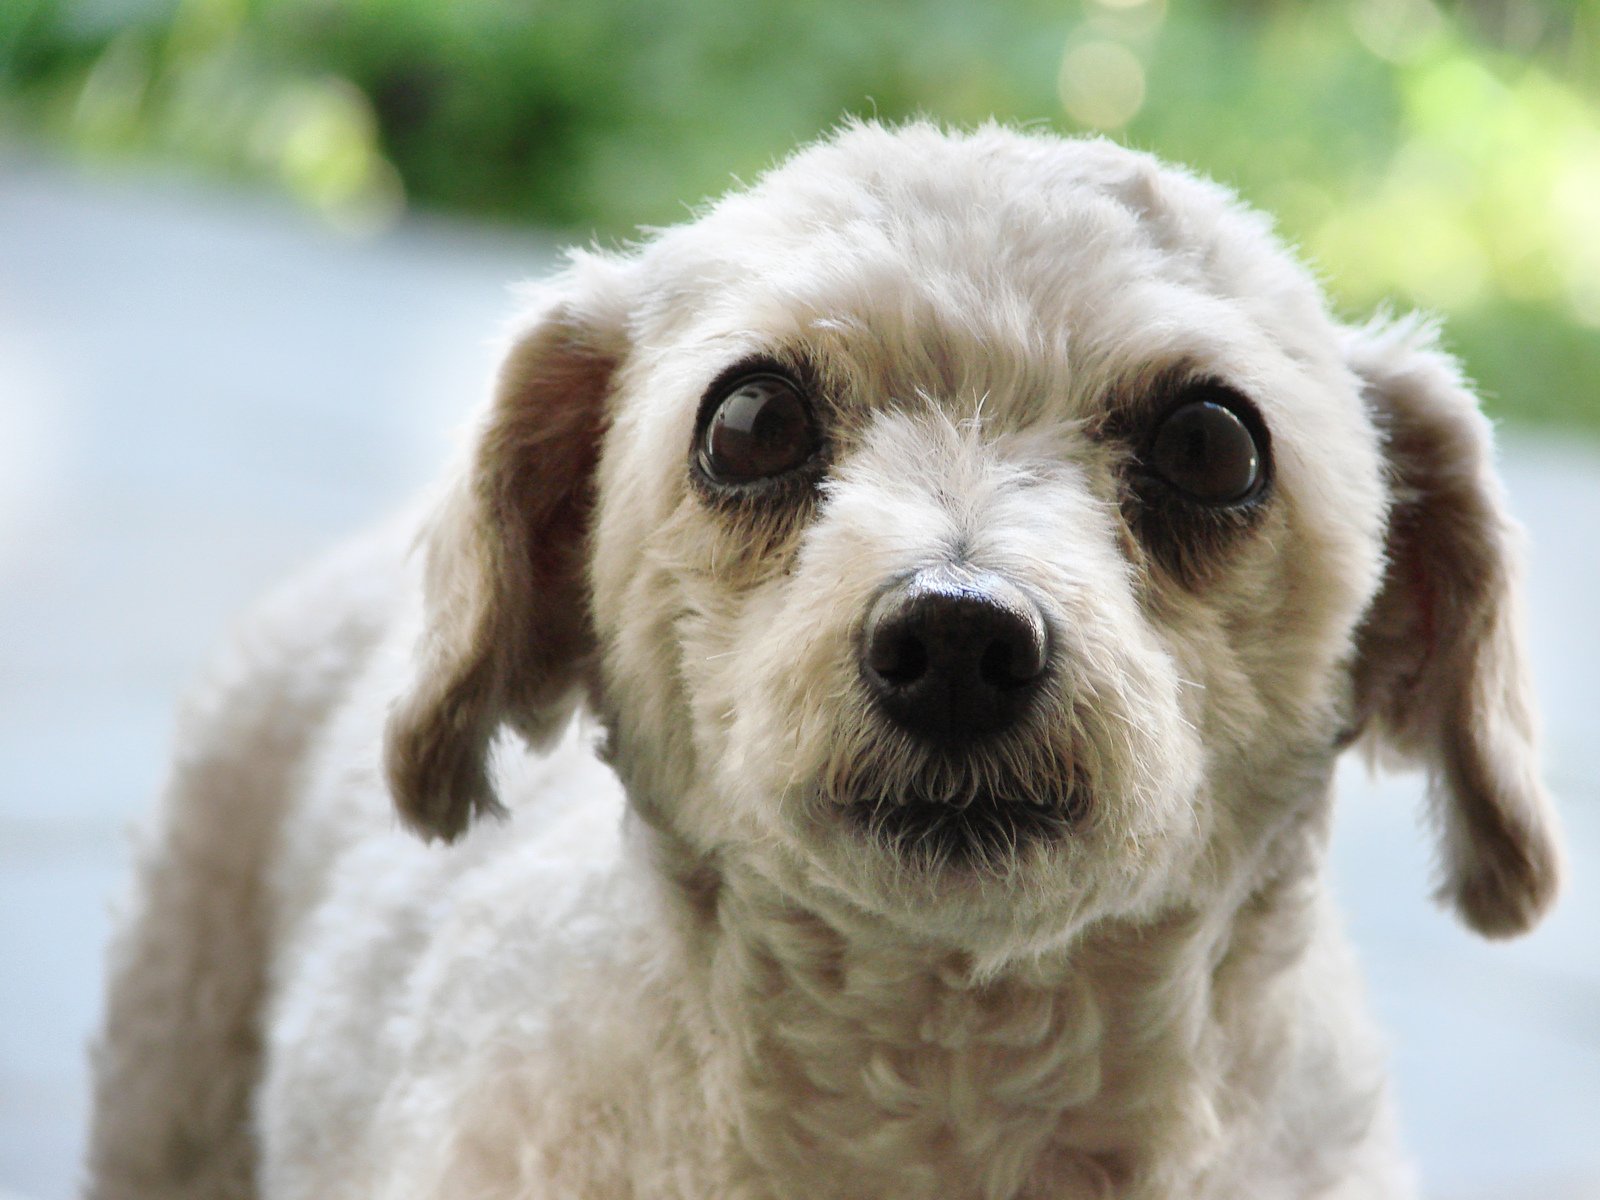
(1116, 1067)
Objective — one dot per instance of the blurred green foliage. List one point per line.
(1443, 157)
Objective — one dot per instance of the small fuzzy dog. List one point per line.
(971, 555)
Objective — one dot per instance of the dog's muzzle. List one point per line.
(958, 658)
(953, 654)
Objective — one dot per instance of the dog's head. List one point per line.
(985, 533)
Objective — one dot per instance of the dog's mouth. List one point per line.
(987, 830)
(982, 812)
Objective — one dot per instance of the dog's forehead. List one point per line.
(968, 263)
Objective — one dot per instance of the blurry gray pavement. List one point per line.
(200, 390)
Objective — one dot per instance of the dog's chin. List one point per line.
(988, 833)
(993, 874)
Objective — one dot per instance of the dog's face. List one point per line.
(986, 534)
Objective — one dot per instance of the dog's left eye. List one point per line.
(759, 429)
(1206, 450)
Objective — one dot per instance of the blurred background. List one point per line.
(252, 254)
(1447, 157)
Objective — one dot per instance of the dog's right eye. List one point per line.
(759, 429)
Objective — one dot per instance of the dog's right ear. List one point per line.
(507, 635)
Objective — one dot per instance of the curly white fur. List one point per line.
(681, 968)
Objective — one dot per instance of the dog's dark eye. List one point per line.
(1206, 450)
(760, 428)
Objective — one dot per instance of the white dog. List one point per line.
(973, 553)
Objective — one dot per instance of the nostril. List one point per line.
(996, 667)
(1012, 661)
(898, 658)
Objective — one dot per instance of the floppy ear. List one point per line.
(506, 635)
(1440, 677)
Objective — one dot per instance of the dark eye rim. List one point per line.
(799, 375)
(1200, 390)
(1187, 538)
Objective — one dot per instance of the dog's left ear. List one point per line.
(507, 636)
(1440, 676)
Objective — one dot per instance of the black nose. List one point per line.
(953, 654)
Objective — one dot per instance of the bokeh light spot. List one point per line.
(1102, 84)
